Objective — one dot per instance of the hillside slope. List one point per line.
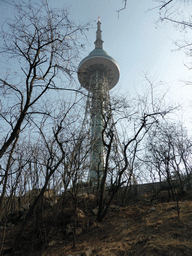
(132, 230)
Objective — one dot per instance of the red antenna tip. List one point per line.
(99, 19)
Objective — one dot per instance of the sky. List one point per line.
(139, 44)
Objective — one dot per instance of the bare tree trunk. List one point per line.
(75, 222)
(6, 177)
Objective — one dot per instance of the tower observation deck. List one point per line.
(98, 73)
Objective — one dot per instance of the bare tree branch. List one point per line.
(165, 4)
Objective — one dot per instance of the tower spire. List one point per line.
(98, 42)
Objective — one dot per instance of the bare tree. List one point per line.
(38, 46)
(121, 158)
(42, 42)
(166, 148)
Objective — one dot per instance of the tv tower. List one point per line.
(98, 73)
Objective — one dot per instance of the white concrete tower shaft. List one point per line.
(98, 73)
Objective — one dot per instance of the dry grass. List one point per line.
(132, 230)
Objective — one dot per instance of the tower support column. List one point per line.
(98, 85)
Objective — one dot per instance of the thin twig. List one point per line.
(125, 4)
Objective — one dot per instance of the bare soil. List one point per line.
(136, 229)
